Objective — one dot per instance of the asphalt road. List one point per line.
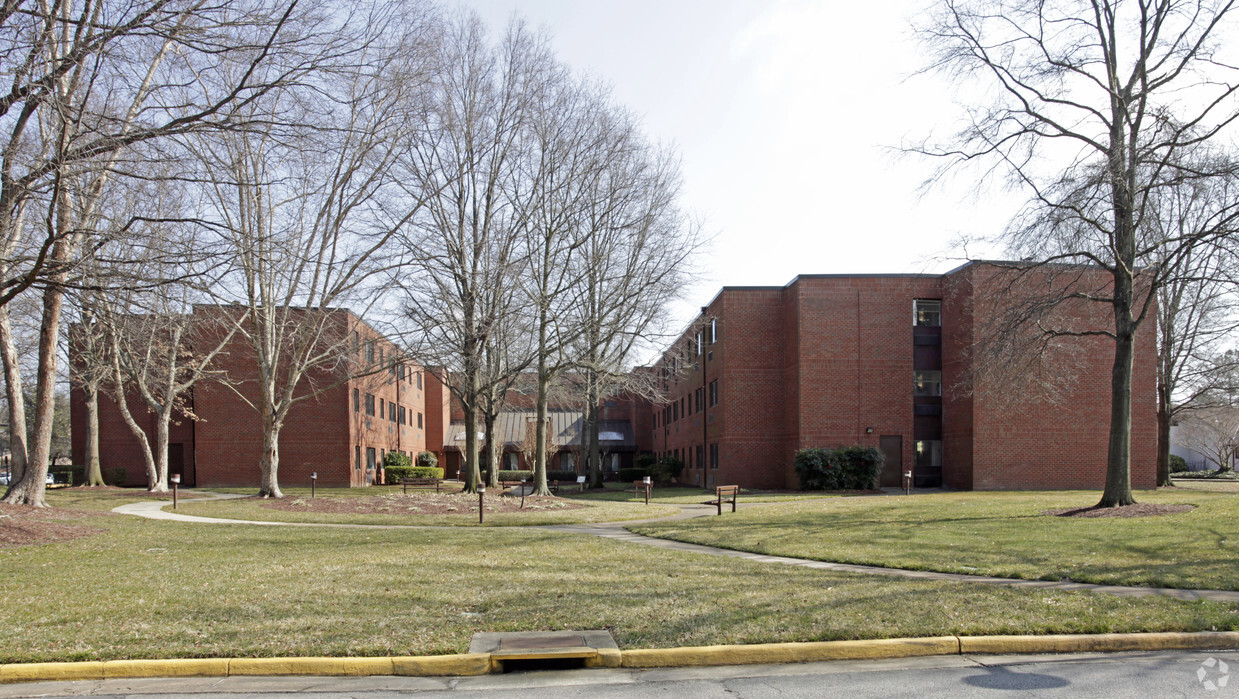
(1163, 674)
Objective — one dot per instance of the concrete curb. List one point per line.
(467, 664)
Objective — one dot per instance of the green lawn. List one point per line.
(1001, 534)
(535, 513)
(679, 495)
(148, 588)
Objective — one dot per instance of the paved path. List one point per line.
(616, 530)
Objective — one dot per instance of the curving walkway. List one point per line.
(616, 530)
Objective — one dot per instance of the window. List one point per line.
(391, 412)
(382, 408)
(356, 342)
(401, 416)
(370, 458)
(927, 313)
(357, 457)
(699, 459)
(370, 352)
(356, 400)
(419, 381)
(714, 393)
(419, 421)
(698, 343)
(400, 372)
(714, 455)
(927, 383)
(682, 410)
(380, 356)
(370, 404)
(929, 453)
(713, 330)
(701, 399)
(675, 411)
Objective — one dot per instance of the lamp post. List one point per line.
(176, 481)
(481, 503)
(313, 482)
(648, 487)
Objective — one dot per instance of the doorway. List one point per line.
(892, 449)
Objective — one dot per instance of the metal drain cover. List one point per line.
(597, 648)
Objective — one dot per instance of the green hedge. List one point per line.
(628, 475)
(515, 475)
(427, 459)
(393, 474)
(1177, 463)
(395, 459)
(845, 468)
(561, 475)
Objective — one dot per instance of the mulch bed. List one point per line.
(21, 525)
(418, 504)
(1140, 509)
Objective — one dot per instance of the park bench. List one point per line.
(421, 483)
(721, 495)
(642, 487)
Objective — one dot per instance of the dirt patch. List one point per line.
(1140, 509)
(24, 526)
(418, 504)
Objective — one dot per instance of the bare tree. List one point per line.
(1095, 107)
(308, 207)
(464, 249)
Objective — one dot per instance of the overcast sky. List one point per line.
(788, 115)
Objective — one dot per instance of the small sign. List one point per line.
(580, 479)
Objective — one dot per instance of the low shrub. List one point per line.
(628, 475)
(645, 459)
(844, 468)
(427, 459)
(115, 476)
(561, 475)
(1177, 463)
(395, 459)
(1228, 474)
(393, 474)
(72, 474)
(667, 470)
(518, 475)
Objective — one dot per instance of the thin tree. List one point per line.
(1095, 106)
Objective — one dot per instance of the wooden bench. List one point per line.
(721, 495)
(641, 487)
(421, 483)
(510, 484)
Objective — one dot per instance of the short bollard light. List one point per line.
(522, 493)
(647, 490)
(176, 480)
(481, 504)
(313, 482)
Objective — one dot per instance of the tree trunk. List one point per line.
(15, 393)
(161, 450)
(494, 448)
(94, 473)
(32, 487)
(269, 464)
(1117, 492)
(590, 443)
(1163, 437)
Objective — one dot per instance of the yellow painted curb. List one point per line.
(1104, 642)
(440, 665)
(188, 667)
(791, 652)
(38, 672)
(310, 666)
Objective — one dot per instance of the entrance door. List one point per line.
(892, 449)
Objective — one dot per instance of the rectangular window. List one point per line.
(675, 411)
(682, 410)
(370, 352)
(382, 408)
(714, 393)
(698, 343)
(370, 458)
(419, 380)
(356, 400)
(419, 421)
(927, 312)
(929, 453)
(380, 356)
(713, 330)
(699, 459)
(400, 372)
(357, 457)
(356, 342)
(401, 416)
(391, 412)
(701, 399)
(370, 404)
(926, 383)
(714, 455)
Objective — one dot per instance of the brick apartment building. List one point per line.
(340, 434)
(831, 360)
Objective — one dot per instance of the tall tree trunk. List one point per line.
(1163, 436)
(32, 487)
(269, 463)
(590, 441)
(1117, 492)
(94, 473)
(540, 431)
(15, 393)
(494, 448)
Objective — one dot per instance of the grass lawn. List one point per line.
(534, 514)
(993, 533)
(679, 495)
(146, 588)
